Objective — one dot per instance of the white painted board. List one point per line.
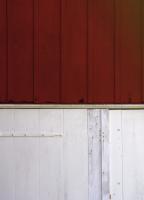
(31, 122)
(127, 150)
(95, 155)
(75, 155)
(53, 154)
(116, 161)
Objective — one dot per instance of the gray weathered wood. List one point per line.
(105, 154)
(94, 151)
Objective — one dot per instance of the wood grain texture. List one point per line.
(20, 50)
(3, 51)
(95, 153)
(128, 52)
(101, 51)
(74, 51)
(105, 154)
(47, 77)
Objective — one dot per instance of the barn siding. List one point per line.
(55, 154)
(82, 51)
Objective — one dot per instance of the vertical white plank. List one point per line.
(139, 153)
(26, 168)
(6, 122)
(51, 168)
(26, 122)
(133, 148)
(105, 154)
(51, 122)
(95, 153)
(129, 158)
(116, 153)
(7, 190)
(75, 155)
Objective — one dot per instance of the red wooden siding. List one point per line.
(48, 68)
(74, 51)
(71, 51)
(101, 51)
(3, 51)
(128, 52)
(20, 50)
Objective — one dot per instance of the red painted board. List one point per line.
(20, 50)
(142, 46)
(3, 51)
(101, 51)
(128, 52)
(74, 51)
(47, 79)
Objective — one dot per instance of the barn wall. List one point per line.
(71, 51)
(126, 152)
(54, 154)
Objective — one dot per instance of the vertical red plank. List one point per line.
(20, 50)
(142, 46)
(74, 51)
(3, 51)
(101, 51)
(128, 52)
(48, 68)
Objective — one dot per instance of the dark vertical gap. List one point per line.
(36, 52)
(33, 51)
(87, 54)
(7, 63)
(60, 51)
(114, 50)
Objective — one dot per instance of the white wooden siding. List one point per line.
(126, 154)
(50, 154)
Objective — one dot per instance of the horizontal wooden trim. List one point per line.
(73, 106)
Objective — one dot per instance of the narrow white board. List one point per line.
(6, 122)
(75, 155)
(116, 156)
(26, 181)
(95, 154)
(133, 151)
(105, 154)
(51, 169)
(51, 122)
(7, 179)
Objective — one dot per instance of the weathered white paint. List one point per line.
(75, 155)
(51, 122)
(31, 122)
(95, 155)
(25, 160)
(53, 154)
(116, 165)
(7, 178)
(51, 169)
(105, 154)
(127, 150)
